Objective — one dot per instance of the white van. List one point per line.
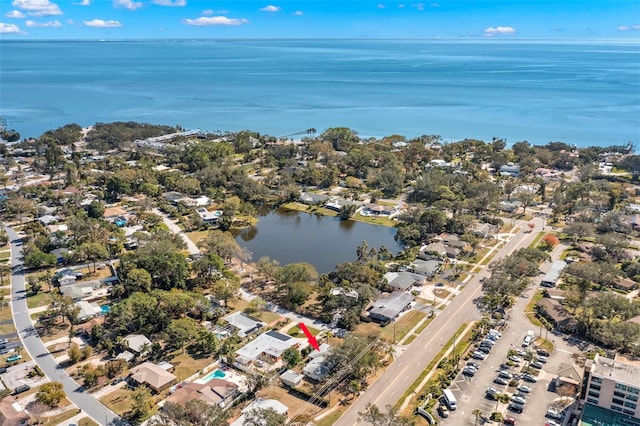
(527, 341)
(450, 399)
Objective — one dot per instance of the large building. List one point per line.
(612, 385)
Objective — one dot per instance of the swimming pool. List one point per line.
(215, 374)
(105, 309)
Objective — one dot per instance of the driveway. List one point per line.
(36, 349)
(173, 227)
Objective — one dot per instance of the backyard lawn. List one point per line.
(118, 401)
(41, 299)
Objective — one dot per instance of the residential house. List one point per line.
(557, 314)
(403, 281)
(311, 199)
(201, 201)
(555, 294)
(386, 309)
(173, 197)
(438, 163)
(88, 290)
(291, 379)
(87, 310)
(210, 217)
(151, 375)
(214, 392)
(371, 209)
(12, 413)
(509, 206)
(111, 214)
(48, 219)
(267, 347)
(244, 324)
(336, 204)
(436, 248)
(625, 284)
(551, 278)
(428, 268)
(510, 169)
(567, 374)
(60, 254)
(260, 403)
(137, 343)
(318, 366)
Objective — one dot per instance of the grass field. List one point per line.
(118, 401)
(530, 309)
(41, 299)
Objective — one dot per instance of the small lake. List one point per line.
(323, 241)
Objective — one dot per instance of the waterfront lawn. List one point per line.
(197, 236)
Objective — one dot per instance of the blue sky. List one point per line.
(477, 19)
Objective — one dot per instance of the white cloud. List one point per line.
(15, 14)
(37, 7)
(491, 31)
(271, 8)
(127, 4)
(100, 23)
(629, 28)
(84, 3)
(419, 6)
(298, 13)
(50, 24)
(8, 28)
(381, 6)
(171, 3)
(215, 20)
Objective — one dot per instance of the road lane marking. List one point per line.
(401, 374)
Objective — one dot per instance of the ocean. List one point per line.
(583, 93)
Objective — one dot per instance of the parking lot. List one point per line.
(470, 391)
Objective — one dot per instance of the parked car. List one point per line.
(495, 333)
(4, 341)
(14, 358)
(500, 381)
(484, 349)
(515, 408)
(529, 378)
(515, 358)
(488, 342)
(509, 421)
(469, 371)
(542, 359)
(478, 355)
(554, 413)
(492, 392)
(518, 400)
(473, 364)
(537, 365)
(543, 352)
(505, 374)
(524, 389)
(443, 411)
(21, 389)
(3, 370)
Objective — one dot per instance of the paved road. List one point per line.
(32, 343)
(391, 385)
(173, 227)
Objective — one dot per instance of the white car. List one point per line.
(515, 358)
(524, 389)
(478, 355)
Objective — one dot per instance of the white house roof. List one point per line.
(264, 404)
(271, 342)
(137, 341)
(243, 322)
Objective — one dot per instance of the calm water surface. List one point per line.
(322, 241)
(582, 93)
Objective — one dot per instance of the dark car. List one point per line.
(515, 408)
(473, 364)
(21, 389)
(509, 421)
(537, 365)
(3, 370)
(469, 371)
(543, 352)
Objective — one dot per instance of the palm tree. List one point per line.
(477, 412)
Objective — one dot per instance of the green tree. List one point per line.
(74, 353)
(208, 342)
(51, 394)
(92, 252)
(141, 404)
(291, 357)
(194, 413)
(182, 331)
(297, 293)
(95, 210)
(264, 417)
(376, 417)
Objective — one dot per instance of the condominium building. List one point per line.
(612, 384)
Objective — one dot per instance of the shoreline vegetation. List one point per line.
(316, 210)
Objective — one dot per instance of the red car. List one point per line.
(509, 421)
